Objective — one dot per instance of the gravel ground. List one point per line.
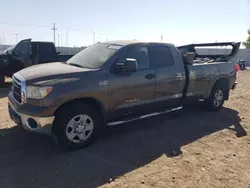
(188, 148)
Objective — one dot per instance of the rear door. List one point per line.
(132, 93)
(170, 76)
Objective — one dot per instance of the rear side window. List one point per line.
(47, 49)
(140, 54)
(161, 56)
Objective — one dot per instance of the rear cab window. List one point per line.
(161, 56)
(47, 49)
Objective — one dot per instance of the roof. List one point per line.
(122, 42)
(127, 42)
(41, 42)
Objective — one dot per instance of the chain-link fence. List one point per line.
(62, 50)
(242, 54)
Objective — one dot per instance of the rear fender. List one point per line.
(224, 82)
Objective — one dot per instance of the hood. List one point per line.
(51, 71)
(3, 53)
(3, 60)
(3, 56)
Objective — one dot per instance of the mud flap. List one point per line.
(234, 86)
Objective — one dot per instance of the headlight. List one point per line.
(37, 92)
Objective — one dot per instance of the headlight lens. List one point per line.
(38, 92)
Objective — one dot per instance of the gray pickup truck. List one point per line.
(115, 82)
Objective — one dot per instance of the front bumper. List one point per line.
(30, 123)
(234, 86)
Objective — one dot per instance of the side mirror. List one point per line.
(15, 53)
(127, 66)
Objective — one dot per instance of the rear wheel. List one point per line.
(216, 99)
(76, 126)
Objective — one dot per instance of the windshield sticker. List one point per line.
(114, 47)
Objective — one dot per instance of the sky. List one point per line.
(177, 21)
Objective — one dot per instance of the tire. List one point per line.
(217, 98)
(72, 120)
(2, 80)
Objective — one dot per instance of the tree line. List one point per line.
(247, 42)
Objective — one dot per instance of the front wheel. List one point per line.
(216, 99)
(76, 126)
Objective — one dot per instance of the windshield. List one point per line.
(94, 56)
(10, 48)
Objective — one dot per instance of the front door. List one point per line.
(133, 93)
(21, 55)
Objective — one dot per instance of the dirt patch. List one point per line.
(188, 148)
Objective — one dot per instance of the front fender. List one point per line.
(76, 90)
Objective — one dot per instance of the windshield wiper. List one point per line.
(76, 65)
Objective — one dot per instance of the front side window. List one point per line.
(22, 47)
(140, 54)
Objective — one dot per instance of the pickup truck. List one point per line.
(116, 82)
(27, 53)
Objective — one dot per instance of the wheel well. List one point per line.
(225, 84)
(88, 100)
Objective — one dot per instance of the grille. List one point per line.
(16, 89)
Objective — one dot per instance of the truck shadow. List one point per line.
(29, 160)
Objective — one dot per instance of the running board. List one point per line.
(142, 117)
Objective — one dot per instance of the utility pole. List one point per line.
(67, 41)
(58, 38)
(62, 40)
(54, 31)
(93, 36)
(16, 37)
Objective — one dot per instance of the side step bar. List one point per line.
(143, 116)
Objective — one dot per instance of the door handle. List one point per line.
(179, 76)
(149, 76)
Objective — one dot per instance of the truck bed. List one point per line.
(202, 71)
